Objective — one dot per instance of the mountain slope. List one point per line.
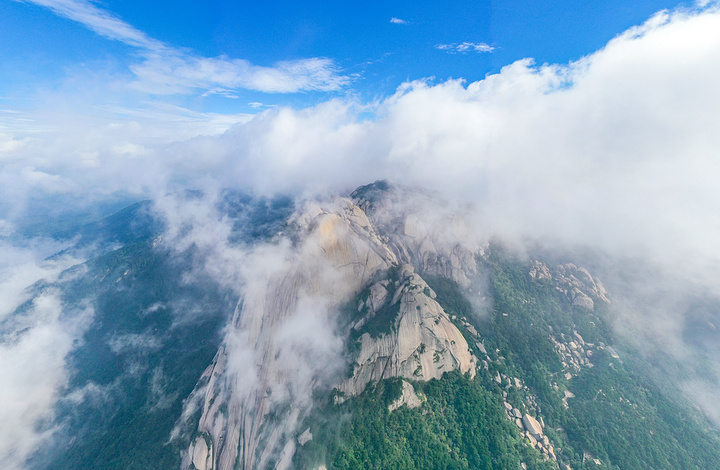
(374, 331)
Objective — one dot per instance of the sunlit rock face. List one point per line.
(287, 336)
(416, 226)
(423, 344)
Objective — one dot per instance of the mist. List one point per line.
(616, 152)
(36, 333)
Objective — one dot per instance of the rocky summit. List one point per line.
(366, 246)
(377, 330)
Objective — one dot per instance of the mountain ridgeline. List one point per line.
(370, 331)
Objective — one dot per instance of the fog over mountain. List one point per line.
(611, 160)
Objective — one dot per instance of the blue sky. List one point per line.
(363, 49)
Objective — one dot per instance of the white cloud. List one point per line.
(8, 143)
(33, 348)
(465, 47)
(22, 266)
(168, 70)
(101, 21)
(635, 117)
(33, 370)
(394, 20)
(178, 73)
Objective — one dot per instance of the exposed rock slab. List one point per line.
(408, 398)
(330, 253)
(423, 345)
(258, 369)
(533, 426)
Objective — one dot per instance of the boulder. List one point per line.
(305, 437)
(532, 426)
(408, 397)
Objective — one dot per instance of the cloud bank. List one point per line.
(618, 148)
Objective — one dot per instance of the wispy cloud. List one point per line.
(33, 347)
(465, 47)
(169, 70)
(394, 20)
(101, 21)
(179, 73)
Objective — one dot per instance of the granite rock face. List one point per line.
(281, 343)
(422, 345)
(574, 282)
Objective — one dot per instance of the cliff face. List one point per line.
(422, 344)
(260, 383)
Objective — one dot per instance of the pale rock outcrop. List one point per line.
(612, 352)
(331, 252)
(575, 282)
(423, 345)
(305, 437)
(255, 370)
(409, 398)
(421, 230)
(579, 286)
(579, 299)
(200, 454)
(378, 296)
(533, 426)
(540, 271)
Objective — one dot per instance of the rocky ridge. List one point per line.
(339, 249)
(574, 282)
(423, 343)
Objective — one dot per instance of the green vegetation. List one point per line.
(136, 389)
(449, 295)
(462, 425)
(616, 415)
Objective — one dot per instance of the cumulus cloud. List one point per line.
(464, 47)
(394, 20)
(623, 138)
(168, 70)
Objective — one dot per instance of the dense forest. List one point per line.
(607, 414)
